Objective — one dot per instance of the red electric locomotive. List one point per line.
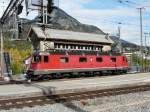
(52, 64)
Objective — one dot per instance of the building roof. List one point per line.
(68, 35)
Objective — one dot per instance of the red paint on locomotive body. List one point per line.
(75, 63)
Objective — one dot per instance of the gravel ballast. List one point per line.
(132, 102)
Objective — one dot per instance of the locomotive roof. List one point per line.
(67, 35)
(84, 53)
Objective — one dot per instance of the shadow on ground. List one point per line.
(48, 91)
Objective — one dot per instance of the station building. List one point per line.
(54, 39)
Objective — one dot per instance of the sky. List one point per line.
(106, 14)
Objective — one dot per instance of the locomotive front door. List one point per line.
(113, 62)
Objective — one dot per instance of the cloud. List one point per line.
(107, 18)
(3, 5)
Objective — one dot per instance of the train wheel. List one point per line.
(47, 77)
(37, 77)
(57, 76)
(99, 73)
(66, 75)
(75, 75)
(81, 74)
(112, 72)
(96, 73)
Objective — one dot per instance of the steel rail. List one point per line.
(66, 98)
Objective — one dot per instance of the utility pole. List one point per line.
(141, 36)
(119, 39)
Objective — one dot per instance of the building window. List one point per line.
(94, 48)
(46, 59)
(55, 46)
(58, 45)
(113, 59)
(71, 47)
(99, 59)
(100, 48)
(74, 47)
(64, 59)
(66, 46)
(90, 48)
(82, 59)
(79, 47)
(63, 46)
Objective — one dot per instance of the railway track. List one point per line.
(13, 82)
(63, 98)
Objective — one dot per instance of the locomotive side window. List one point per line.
(64, 60)
(46, 59)
(36, 59)
(113, 59)
(99, 59)
(82, 59)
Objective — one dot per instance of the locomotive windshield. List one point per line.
(36, 59)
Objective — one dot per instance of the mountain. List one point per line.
(124, 43)
(59, 19)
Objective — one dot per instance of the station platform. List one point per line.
(72, 86)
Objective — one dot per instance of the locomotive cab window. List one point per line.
(36, 59)
(113, 59)
(46, 59)
(64, 59)
(99, 59)
(82, 59)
